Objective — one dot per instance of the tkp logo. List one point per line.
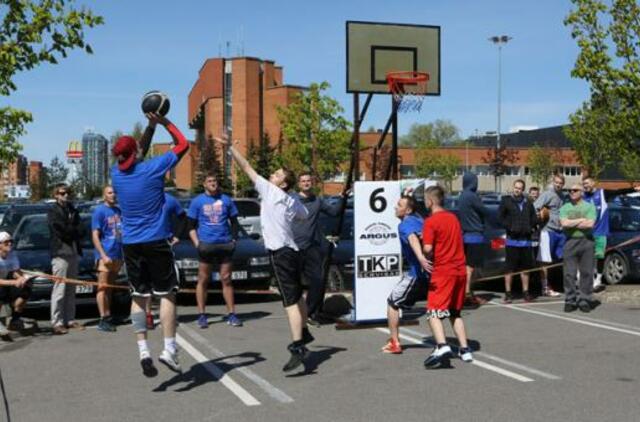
(378, 234)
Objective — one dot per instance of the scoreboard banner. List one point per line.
(378, 256)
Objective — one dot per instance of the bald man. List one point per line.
(106, 233)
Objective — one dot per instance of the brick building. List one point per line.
(239, 96)
(15, 174)
(184, 174)
(35, 171)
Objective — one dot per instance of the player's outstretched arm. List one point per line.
(237, 156)
(179, 141)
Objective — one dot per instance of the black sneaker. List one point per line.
(528, 297)
(148, 368)
(439, 358)
(594, 303)
(584, 306)
(599, 288)
(570, 307)
(508, 298)
(307, 337)
(298, 355)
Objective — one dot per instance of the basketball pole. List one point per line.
(356, 135)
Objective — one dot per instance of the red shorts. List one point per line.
(446, 293)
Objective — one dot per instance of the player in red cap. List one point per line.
(442, 239)
(148, 256)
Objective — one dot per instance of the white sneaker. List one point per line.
(4, 333)
(170, 360)
(465, 354)
(549, 292)
(438, 358)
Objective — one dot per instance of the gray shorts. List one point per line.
(403, 294)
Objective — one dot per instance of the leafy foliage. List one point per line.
(604, 130)
(56, 173)
(34, 32)
(432, 162)
(542, 163)
(443, 132)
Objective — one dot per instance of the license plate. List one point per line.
(84, 289)
(236, 275)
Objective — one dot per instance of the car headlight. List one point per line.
(260, 260)
(187, 263)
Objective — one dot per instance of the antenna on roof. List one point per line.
(242, 40)
(219, 44)
(228, 48)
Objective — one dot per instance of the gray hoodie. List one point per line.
(552, 200)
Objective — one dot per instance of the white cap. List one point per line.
(4, 236)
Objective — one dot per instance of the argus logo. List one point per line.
(378, 234)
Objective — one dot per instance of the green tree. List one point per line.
(499, 159)
(262, 157)
(630, 166)
(605, 128)
(56, 173)
(542, 163)
(316, 135)
(432, 162)
(34, 32)
(443, 132)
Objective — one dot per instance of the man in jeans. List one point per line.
(577, 218)
(65, 231)
(309, 239)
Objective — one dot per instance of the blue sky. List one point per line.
(147, 44)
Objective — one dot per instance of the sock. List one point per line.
(143, 349)
(170, 345)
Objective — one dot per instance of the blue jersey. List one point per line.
(172, 208)
(411, 224)
(601, 228)
(213, 214)
(107, 220)
(141, 197)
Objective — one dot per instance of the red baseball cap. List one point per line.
(125, 150)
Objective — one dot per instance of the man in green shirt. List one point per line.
(577, 219)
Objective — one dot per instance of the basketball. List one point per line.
(155, 102)
(544, 214)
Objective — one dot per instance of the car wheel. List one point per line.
(335, 280)
(615, 269)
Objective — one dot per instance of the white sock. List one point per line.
(143, 349)
(597, 280)
(170, 345)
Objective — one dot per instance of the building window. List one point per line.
(407, 171)
(512, 171)
(527, 171)
(483, 171)
(572, 171)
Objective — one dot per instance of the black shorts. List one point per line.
(151, 268)
(215, 253)
(519, 259)
(474, 254)
(8, 294)
(287, 268)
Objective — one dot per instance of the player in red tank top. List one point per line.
(442, 240)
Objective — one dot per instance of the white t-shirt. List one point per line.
(277, 210)
(8, 264)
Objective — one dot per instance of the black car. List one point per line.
(341, 268)
(31, 243)
(251, 265)
(13, 215)
(622, 263)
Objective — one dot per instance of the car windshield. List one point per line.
(33, 233)
(13, 216)
(627, 220)
(248, 208)
(328, 225)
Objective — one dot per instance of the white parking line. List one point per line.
(476, 362)
(217, 373)
(574, 320)
(503, 361)
(268, 388)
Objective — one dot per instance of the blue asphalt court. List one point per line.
(533, 362)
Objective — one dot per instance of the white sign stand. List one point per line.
(378, 256)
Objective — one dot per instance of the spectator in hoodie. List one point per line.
(472, 214)
(552, 238)
(518, 217)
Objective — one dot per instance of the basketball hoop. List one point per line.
(408, 89)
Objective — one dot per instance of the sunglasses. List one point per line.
(63, 193)
(8, 242)
(575, 190)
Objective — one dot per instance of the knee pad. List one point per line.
(139, 322)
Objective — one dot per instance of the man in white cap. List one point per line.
(15, 288)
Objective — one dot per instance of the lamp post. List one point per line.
(499, 40)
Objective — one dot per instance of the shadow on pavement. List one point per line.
(198, 374)
(244, 316)
(319, 354)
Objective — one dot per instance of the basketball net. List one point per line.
(408, 89)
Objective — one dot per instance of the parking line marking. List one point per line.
(503, 361)
(487, 366)
(574, 320)
(268, 388)
(219, 374)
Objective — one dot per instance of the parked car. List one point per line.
(251, 264)
(15, 213)
(341, 268)
(3, 209)
(249, 215)
(31, 243)
(622, 263)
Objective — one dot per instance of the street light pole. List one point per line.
(499, 40)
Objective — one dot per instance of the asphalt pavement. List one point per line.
(533, 362)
